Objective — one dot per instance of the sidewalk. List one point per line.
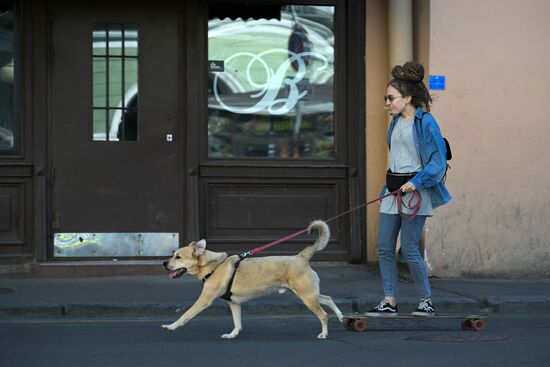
(351, 286)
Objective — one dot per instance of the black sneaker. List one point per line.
(384, 309)
(425, 308)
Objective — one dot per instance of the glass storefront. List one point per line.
(128, 130)
(8, 79)
(271, 85)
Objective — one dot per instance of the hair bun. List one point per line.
(409, 72)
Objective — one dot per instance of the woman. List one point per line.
(418, 150)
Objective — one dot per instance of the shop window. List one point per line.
(271, 82)
(9, 124)
(115, 82)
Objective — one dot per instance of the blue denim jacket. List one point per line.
(429, 143)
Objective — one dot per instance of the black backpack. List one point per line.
(448, 157)
(449, 153)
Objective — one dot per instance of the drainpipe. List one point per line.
(400, 44)
(400, 32)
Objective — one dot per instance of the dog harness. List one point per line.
(227, 295)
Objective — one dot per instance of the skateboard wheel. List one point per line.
(478, 325)
(466, 324)
(360, 325)
(348, 324)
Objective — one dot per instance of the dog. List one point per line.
(239, 280)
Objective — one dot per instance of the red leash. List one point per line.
(412, 205)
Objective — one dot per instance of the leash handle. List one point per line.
(414, 207)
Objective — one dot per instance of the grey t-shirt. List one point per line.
(404, 158)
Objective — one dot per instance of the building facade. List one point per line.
(128, 129)
(493, 110)
(133, 128)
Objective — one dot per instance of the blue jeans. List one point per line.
(388, 229)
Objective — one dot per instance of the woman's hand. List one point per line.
(408, 187)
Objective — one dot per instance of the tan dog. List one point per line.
(254, 277)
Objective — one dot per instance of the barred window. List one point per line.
(115, 82)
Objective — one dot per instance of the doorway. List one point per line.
(116, 137)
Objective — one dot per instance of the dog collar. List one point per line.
(212, 272)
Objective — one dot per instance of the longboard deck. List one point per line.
(358, 321)
(461, 317)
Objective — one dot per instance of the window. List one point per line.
(9, 124)
(115, 82)
(115, 244)
(271, 84)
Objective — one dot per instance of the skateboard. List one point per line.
(358, 321)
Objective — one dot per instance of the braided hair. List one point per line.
(408, 79)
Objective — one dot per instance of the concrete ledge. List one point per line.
(138, 310)
(529, 304)
(31, 311)
(88, 269)
(262, 307)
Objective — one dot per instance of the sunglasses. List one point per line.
(390, 98)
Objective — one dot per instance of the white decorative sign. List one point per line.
(274, 81)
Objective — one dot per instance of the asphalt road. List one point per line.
(509, 340)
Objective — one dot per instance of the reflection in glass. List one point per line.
(271, 85)
(130, 76)
(8, 128)
(115, 82)
(115, 40)
(100, 126)
(130, 40)
(99, 40)
(99, 86)
(115, 244)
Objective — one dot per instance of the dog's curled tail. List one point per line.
(321, 241)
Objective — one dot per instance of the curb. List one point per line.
(30, 311)
(536, 304)
(527, 304)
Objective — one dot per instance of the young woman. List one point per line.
(417, 155)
